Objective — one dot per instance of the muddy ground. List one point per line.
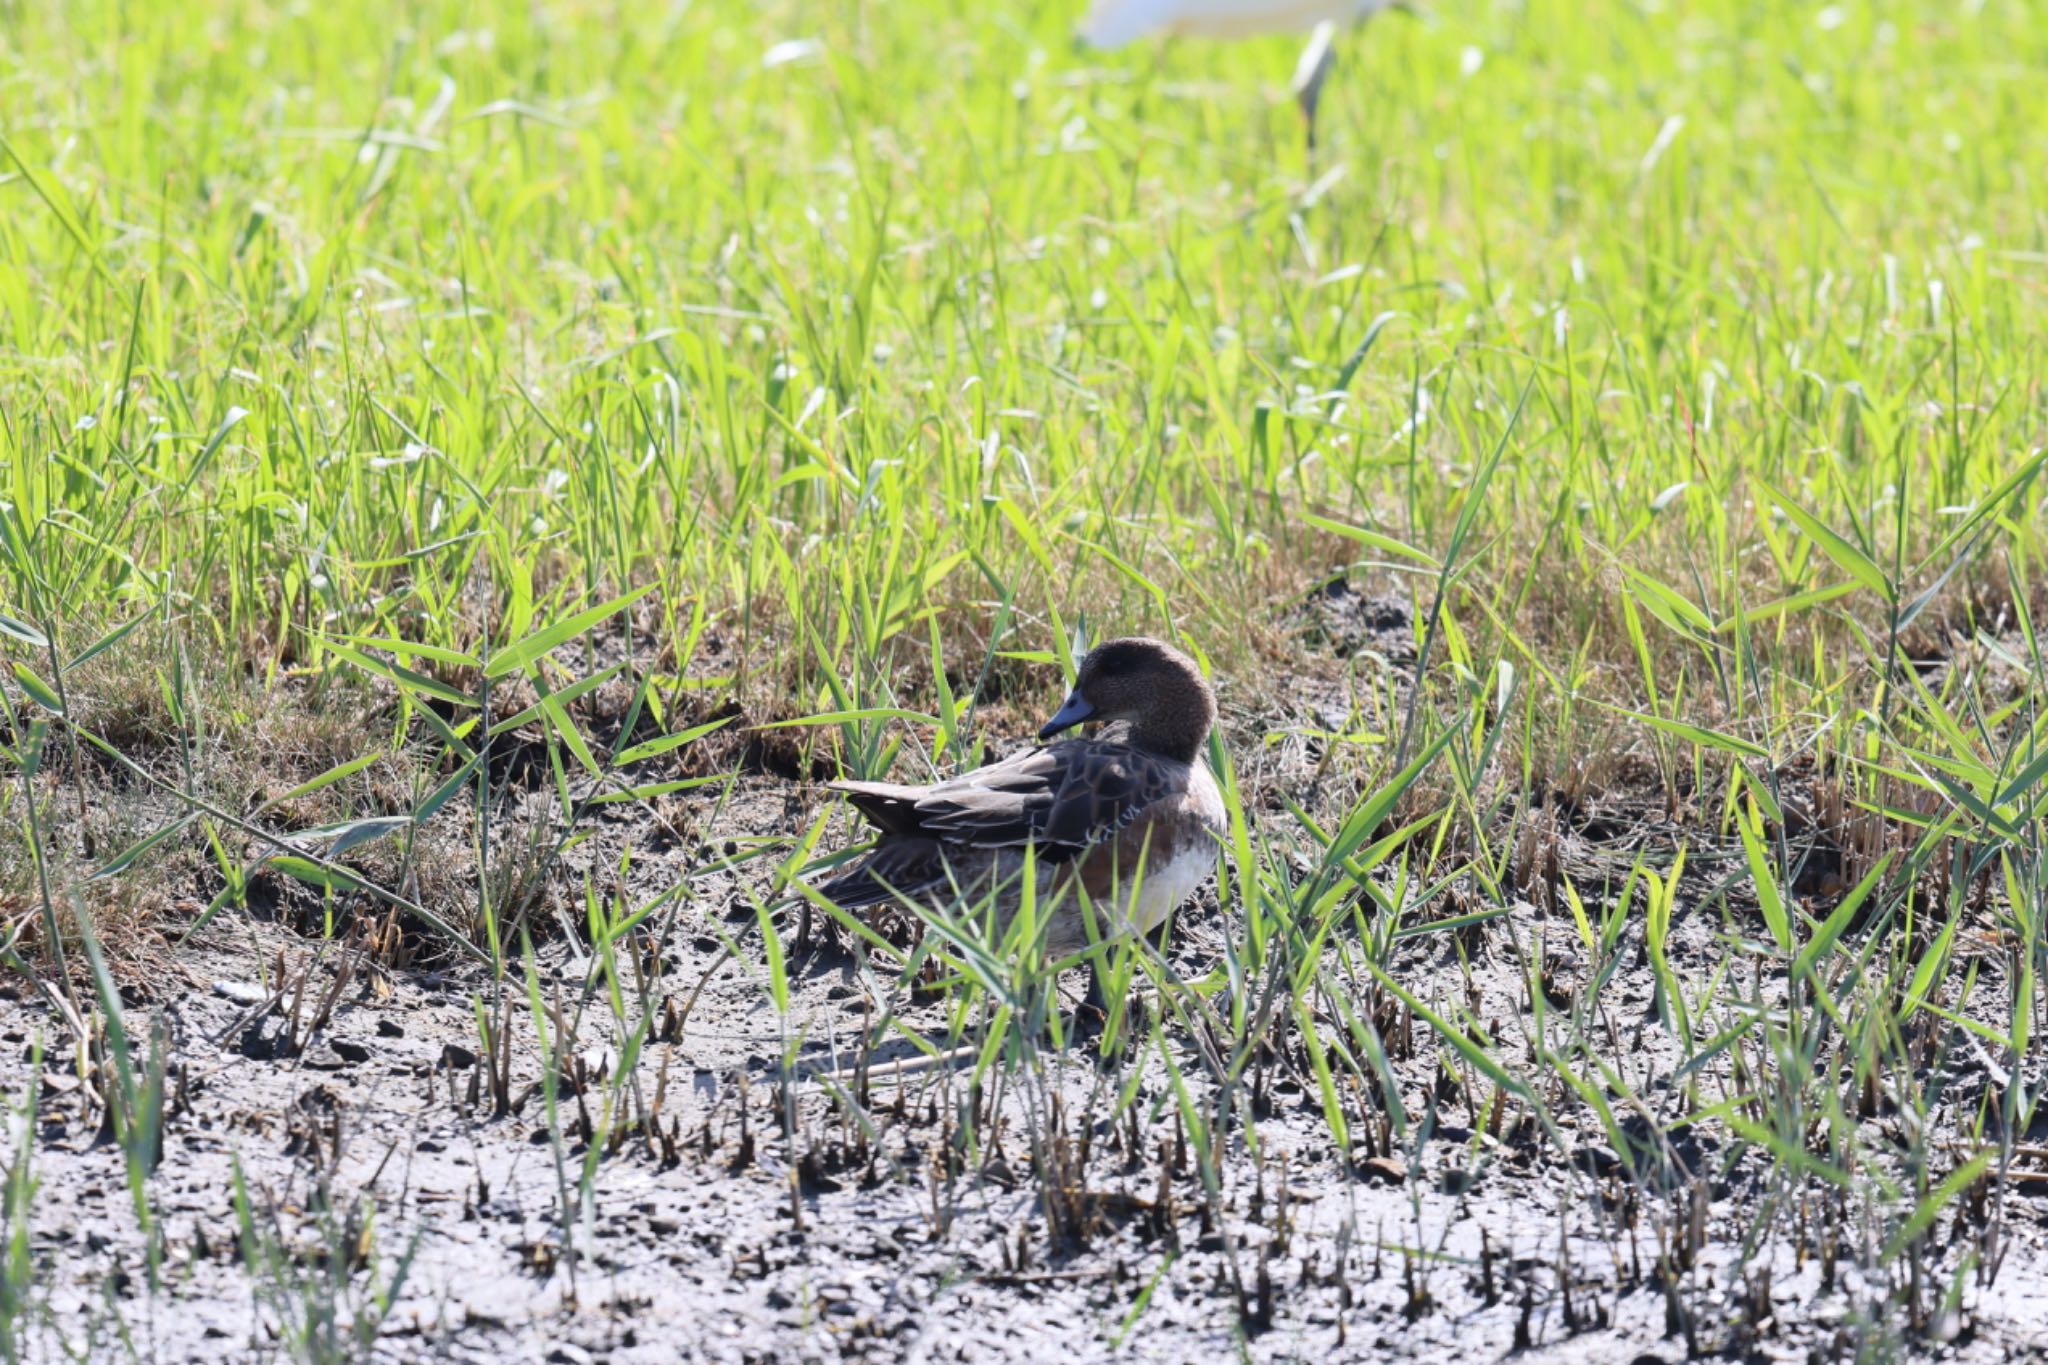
(734, 1217)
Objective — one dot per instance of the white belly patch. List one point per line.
(1169, 884)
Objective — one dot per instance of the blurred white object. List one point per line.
(1112, 23)
(791, 50)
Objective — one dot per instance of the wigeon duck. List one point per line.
(1130, 813)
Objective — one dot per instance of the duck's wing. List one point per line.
(1063, 797)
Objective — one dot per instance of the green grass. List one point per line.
(1679, 364)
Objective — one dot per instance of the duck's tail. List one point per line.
(891, 806)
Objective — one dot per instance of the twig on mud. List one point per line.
(248, 1017)
(72, 1019)
(683, 1018)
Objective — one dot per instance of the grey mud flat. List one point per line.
(749, 1222)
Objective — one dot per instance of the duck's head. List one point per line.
(1152, 690)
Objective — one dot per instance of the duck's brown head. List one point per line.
(1151, 690)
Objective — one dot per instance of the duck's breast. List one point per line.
(1170, 882)
(1174, 841)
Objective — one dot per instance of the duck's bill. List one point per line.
(1076, 709)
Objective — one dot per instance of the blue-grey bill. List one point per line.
(1072, 712)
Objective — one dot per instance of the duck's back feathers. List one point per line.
(1066, 799)
(1063, 797)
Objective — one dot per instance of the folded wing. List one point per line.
(1063, 799)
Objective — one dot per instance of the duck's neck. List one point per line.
(1184, 741)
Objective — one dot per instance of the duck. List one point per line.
(1128, 814)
